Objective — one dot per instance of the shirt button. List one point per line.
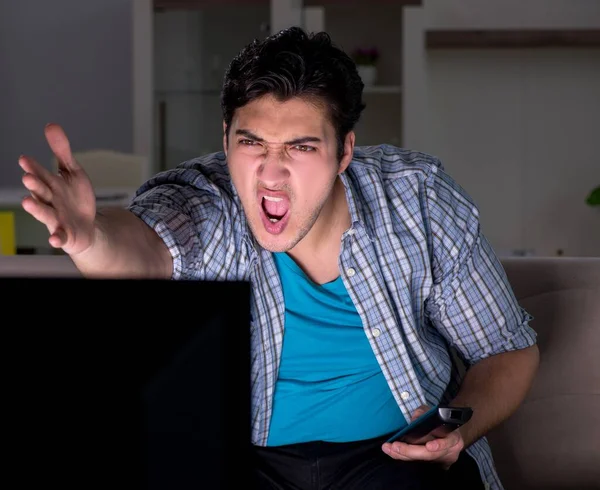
(376, 332)
(350, 271)
(405, 395)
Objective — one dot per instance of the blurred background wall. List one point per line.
(504, 92)
(67, 61)
(515, 121)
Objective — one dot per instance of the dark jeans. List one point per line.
(355, 465)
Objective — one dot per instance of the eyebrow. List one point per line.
(296, 141)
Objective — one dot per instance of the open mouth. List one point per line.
(275, 212)
(274, 208)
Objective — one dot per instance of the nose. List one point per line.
(273, 170)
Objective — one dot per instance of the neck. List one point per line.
(324, 238)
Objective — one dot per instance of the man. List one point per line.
(367, 267)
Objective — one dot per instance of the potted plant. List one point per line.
(366, 64)
(593, 198)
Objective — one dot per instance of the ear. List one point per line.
(225, 138)
(348, 151)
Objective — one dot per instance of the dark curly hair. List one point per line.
(293, 63)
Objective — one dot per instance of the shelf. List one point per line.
(512, 38)
(383, 89)
(373, 89)
(161, 5)
(11, 197)
(208, 92)
(198, 4)
(324, 3)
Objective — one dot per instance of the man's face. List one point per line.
(282, 157)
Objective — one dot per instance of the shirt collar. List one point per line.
(355, 206)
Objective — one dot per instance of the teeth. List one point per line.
(274, 199)
(273, 220)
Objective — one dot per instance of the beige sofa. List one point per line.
(553, 439)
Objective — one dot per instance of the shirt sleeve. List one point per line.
(183, 208)
(471, 302)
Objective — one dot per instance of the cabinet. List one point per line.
(192, 42)
(192, 48)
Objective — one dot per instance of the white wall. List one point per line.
(518, 130)
(516, 127)
(491, 14)
(67, 61)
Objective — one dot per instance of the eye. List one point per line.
(304, 148)
(247, 142)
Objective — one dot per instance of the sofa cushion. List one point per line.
(553, 440)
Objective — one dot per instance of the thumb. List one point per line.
(58, 239)
(60, 146)
(419, 411)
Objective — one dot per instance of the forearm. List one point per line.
(494, 388)
(124, 246)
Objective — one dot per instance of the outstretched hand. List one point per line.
(64, 202)
(444, 450)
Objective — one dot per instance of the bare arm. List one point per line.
(494, 388)
(124, 246)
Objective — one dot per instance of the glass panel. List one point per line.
(192, 49)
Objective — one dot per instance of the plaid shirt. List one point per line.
(426, 283)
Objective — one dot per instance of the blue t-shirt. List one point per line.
(330, 385)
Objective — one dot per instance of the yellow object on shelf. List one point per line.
(7, 233)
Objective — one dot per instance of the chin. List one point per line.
(274, 244)
(282, 242)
